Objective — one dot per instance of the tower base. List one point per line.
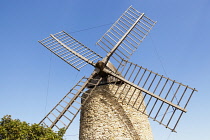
(105, 118)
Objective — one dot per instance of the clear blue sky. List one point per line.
(32, 80)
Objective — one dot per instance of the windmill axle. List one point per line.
(101, 65)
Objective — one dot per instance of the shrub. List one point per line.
(16, 130)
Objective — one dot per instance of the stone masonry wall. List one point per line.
(105, 118)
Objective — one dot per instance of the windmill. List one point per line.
(155, 96)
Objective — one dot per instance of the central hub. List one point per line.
(101, 65)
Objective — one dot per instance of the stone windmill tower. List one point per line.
(117, 99)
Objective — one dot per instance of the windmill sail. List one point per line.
(165, 100)
(63, 114)
(70, 50)
(125, 35)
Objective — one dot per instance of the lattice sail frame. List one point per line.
(126, 34)
(63, 114)
(70, 50)
(166, 111)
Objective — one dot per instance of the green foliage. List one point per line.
(16, 130)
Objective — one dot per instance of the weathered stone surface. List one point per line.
(104, 117)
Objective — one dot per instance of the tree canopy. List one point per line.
(14, 129)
